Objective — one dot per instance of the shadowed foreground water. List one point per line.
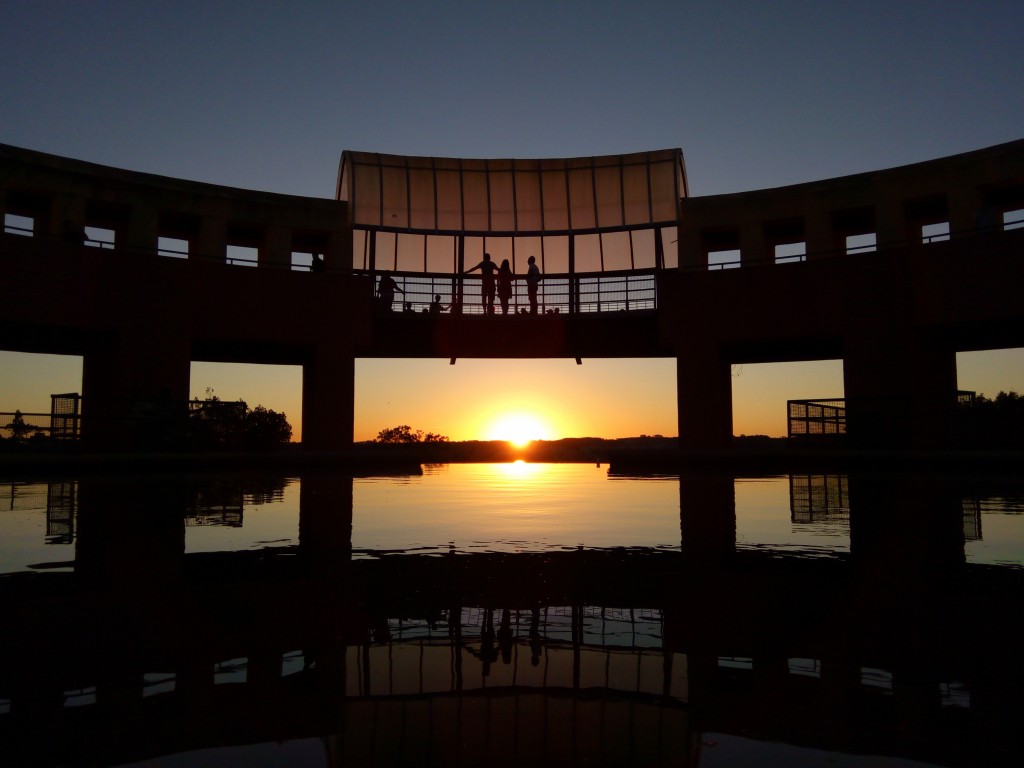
(511, 614)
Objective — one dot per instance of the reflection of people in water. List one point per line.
(487, 269)
(386, 291)
(535, 644)
(504, 285)
(488, 654)
(317, 264)
(505, 636)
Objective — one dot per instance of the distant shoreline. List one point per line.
(635, 456)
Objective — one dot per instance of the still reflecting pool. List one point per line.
(515, 507)
(511, 614)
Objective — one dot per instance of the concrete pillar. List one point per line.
(212, 242)
(904, 529)
(891, 223)
(133, 397)
(691, 249)
(900, 389)
(276, 250)
(707, 516)
(821, 237)
(328, 398)
(704, 395)
(339, 251)
(753, 244)
(65, 208)
(120, 548)
(325, 523)
(964, 206)
(141, 232)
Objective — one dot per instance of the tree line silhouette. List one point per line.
(996, 423)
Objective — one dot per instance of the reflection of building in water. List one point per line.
(218, 504)
(574, 685)
(23, 496)
(572, 647)
(816, 418)
(65, 415)
(57, 500)
(215, 509)
(972, 519)
(61, 500)
(819, 499)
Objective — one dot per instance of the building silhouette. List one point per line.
(891, 271)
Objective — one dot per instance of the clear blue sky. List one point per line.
(266, 95)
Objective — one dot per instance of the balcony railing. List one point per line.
(628, 291)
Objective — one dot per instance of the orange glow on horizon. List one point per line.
(519, 428)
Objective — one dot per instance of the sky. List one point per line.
(266, 96)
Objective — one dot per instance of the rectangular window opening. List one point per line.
(98, 237)
(80, 697)
(292, 663)
(954, 694)
(876, 678)
(724, 259)
(231, 671)
(19, 225)
(935, 233)
(410, 252)
(241, 255)
(670, 246)
(360, 249)
(790, 253)
(805, 667)
(155, 683)
(1013, 219)
(172, 247)
(302, 261)
(735, 662)
(864, 243)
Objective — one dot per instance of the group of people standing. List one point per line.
(496, 280)
(499, 280)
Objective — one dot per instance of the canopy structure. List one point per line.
(473, 197)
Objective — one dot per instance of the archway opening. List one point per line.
(991, 371)
(517, 400)
(276, 388)
(760, 392)
(28, 381)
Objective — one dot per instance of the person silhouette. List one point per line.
(386, 291)
(504, 285)
(487, 269)
(435, 306)
(532, 281)
(317, 264)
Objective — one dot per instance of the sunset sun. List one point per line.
(519, 429)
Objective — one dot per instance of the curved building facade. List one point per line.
(892, 271)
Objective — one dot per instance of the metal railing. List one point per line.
(63, 422)
(816, 417)
(588, 293)
(827, 416)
